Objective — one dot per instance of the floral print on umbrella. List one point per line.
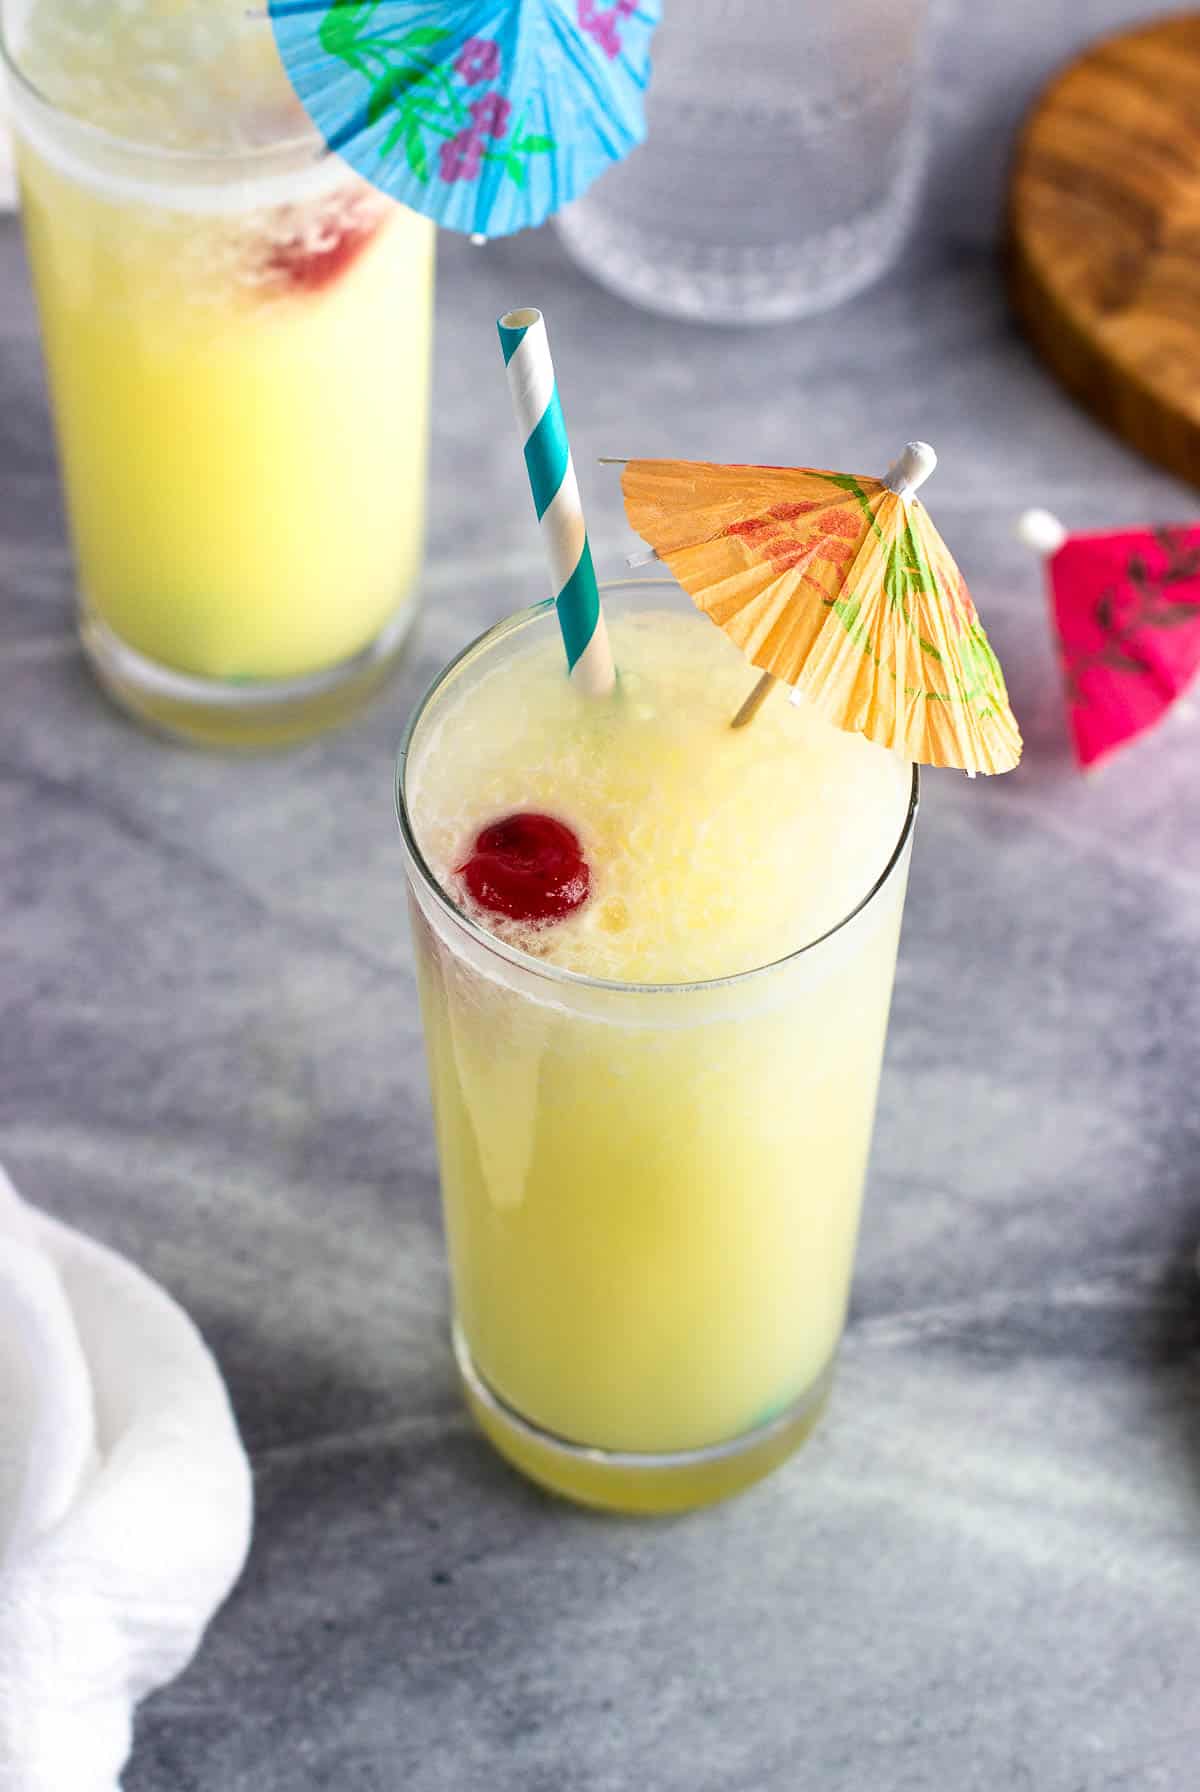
(431, 102)
(487, 117)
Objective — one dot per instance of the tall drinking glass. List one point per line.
(651, 1191)
(237, 336)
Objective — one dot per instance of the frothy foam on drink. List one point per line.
(198, 75)
(182, 79)
(203, 78)
(710, 851)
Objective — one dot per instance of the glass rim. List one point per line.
(253, 155)
(558, 974)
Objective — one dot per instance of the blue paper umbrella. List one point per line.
(486, 115)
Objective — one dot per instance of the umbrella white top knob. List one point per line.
(1041, 531)
(911, 470)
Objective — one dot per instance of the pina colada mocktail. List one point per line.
(237, 336)
(653, 1104)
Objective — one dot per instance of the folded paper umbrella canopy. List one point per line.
(840, 587)
(485, 115)
(1126, 609)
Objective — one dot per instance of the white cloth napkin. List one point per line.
(125, 1500)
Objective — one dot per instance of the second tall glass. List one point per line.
(238, 350)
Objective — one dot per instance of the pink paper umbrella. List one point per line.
(1126, 607)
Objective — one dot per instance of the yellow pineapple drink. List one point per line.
(237, 334)
(653, 1108)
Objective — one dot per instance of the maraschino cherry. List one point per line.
(312, 266)
(528, 867)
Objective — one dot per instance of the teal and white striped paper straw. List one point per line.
(556, 499)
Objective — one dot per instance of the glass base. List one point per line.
(630, 1481)
(213, 713)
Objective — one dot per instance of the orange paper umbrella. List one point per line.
(842, 588)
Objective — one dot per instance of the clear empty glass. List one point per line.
(784, 155)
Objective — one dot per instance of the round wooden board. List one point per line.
(1104, 229)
